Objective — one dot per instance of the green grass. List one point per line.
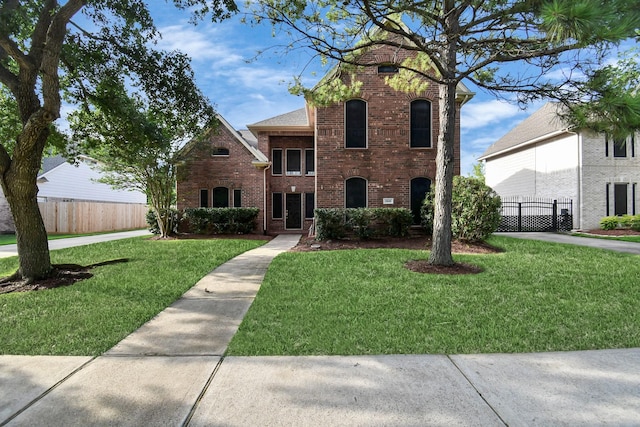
(635, 239)
(535, 296)
(91, 316)
(10, 239)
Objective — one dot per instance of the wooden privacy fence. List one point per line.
(90, 217)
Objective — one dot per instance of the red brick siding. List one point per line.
(283, 183)
(201, 170)
(388, 163)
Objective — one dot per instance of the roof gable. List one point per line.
(543, 123)
(249, 143)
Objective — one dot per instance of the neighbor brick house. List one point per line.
(375, 150)
(543, 157)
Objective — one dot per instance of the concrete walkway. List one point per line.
(172, 372)
(12, 250)
(608, 244)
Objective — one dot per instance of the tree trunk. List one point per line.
(19, 185)
(441, 239)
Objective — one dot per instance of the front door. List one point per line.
(294, 211)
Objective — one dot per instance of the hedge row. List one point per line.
(365, 223)
(623, 222)
(213, 220)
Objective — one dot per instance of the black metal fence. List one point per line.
(529, 214)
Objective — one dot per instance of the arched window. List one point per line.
(356, 193)
(356, 124)
(420, 123)
(419, 189)
(221, 197)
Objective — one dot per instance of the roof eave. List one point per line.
(526, 143)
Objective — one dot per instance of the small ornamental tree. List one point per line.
(475, 210)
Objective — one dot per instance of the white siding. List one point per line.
(71, 182)
(547, 169)
(512, 174)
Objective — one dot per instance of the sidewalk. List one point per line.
(172, 372)
(12, 250)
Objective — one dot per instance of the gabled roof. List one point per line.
(544, 123)
(50, 163)
(243, 137)
(294, 120)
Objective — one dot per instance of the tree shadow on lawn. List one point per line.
(62, 275)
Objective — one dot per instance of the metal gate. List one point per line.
(524, 214)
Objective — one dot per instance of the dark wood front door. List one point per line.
(294, 211)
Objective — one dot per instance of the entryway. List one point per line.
(293, 214)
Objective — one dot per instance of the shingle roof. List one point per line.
(293, 118)
(49, 163)
(544, 121)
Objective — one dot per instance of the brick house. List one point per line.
(542, 157)
(375, 150)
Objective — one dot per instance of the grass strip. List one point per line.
(91, 316)
(536, 296)
(10, 239)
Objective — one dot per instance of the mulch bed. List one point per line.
(63, 275)
(308, 244)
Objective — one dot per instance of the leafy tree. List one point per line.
(454, 40)
(42, 52)
(136, 139)
(475, 210)
(609, 98)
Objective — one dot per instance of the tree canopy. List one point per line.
(50, 48)
(455, 40)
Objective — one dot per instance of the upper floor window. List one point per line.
(309, 162)
(276, 161)
(293, 162)
(356, 193)
(421, 123)
(356, 124)
(387, 68)
(219, 151)
(622, 147)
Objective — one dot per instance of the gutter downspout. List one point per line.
(264, 199)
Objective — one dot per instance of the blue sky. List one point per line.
(246, 89)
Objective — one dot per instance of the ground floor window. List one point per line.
(419, 189)
(620, 192)
(276, 206)
(221, 197)
(237, 198)
(356, 193)
(204, 198)
(309, 205)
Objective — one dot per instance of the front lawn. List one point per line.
(535, 296)
(91, 316)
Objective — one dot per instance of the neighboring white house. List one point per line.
(60, 181)
(542, 157)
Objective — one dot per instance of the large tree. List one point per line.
(456, 40)
(44, 51)
(136, 138)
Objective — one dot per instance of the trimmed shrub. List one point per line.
(365, 223)
(624, 221)
(475, 210)
(330, 224)
(221, 220)
(152, 222)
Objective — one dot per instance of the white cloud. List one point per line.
(476, 115)
(200, 45)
